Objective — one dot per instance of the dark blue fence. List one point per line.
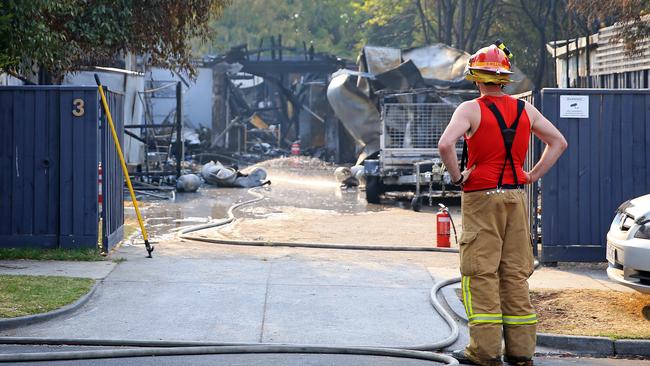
(607, 162)
(49, 153)
(113, 179)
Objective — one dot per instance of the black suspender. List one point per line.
(508, 135)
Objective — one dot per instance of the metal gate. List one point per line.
(113, 180)
(607, 162)
(532, 190)
(49, 153)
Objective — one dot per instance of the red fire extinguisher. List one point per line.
(443, 228)
(295, 148)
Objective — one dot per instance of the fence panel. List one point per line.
(112, 179)
(47, 150)
(605, 164)
(78, 159)
(50, 147)
(532, 190)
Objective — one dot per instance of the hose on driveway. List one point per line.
(170, 348)
(184, 234)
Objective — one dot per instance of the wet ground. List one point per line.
(297, 192)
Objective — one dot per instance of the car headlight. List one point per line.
(643, 232)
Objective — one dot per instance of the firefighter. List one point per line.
(496, 257)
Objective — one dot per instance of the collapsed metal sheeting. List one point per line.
(448, 65)
(439, 68)
(356, 111)
(403, 77)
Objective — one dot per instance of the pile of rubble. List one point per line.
(219, 175)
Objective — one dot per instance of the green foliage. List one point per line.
(27, 295)
(390, 23)
(331, 26)
(5, 27)
(64, 35)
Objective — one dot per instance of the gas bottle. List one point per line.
(295, 148)
(443, 226)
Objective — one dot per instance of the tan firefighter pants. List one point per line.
(496, 260)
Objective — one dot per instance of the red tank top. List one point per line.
(487, 151)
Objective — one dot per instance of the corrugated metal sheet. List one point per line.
(609, 64)
(606, 163)
(611, 56)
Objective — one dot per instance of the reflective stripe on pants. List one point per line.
(520, 319)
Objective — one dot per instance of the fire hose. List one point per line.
(184, 234)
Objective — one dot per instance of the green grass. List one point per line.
(26, 295)
(87, 254)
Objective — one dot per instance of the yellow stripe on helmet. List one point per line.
(479, 76)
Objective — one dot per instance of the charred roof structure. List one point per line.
(275, 94)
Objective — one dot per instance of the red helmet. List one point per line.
(490, 65)
(491, 59)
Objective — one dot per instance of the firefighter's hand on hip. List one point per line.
(464, 176)
(531, 177)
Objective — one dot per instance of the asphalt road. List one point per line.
(283, 360)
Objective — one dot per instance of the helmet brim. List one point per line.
(490, 69)
(489, 78)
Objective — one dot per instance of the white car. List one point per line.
(628, 245)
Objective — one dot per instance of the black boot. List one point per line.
(518, 361)
(463, 358)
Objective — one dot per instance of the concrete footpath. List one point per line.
(277, 300)
(95, 270)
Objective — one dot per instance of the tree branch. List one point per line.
(424, 21)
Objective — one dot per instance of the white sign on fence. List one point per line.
(574, 106)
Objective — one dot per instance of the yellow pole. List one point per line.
(124, 169)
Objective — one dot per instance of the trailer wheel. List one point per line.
(374, 188)
(416, 203)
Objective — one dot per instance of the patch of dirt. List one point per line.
(599, 313)
(592, 313)
(393, 226)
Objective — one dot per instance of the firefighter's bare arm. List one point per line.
(551, 136)
(463, 120)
